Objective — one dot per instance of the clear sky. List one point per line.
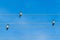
(34, 24)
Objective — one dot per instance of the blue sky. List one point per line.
(34, 24)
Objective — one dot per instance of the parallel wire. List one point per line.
(31, 14)
(24, 23)
(28, 15)
(31, 23)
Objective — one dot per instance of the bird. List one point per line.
(53, 22)
(20, 13)
(7, 26)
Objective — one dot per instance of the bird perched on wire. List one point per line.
(20, 14)
(7, 26)
(53, 22)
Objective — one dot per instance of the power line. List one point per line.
(31, 23)
(34, 14)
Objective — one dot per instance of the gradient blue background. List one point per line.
(32, 27)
